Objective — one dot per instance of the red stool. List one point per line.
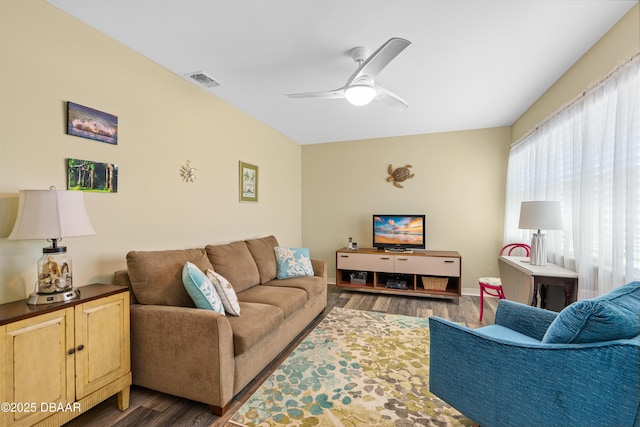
(492, 286)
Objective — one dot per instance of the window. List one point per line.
(587, 156)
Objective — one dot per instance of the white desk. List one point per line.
(522, 281)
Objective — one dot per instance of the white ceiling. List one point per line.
(472, 63)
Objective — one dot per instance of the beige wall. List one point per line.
(48, 58)
(459, 184)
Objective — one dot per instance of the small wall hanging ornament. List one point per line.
(400, 174)
(187, 172)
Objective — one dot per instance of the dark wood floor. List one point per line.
(150, 409)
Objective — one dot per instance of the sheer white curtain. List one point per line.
(588, 157)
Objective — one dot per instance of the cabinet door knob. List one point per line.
(73, 350)
(448, 260)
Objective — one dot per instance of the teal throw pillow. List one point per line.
(200, 288)
(226, 292)
(612, 316)
(293, 262)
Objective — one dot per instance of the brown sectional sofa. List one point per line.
(201, 354)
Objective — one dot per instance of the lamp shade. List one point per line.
(51, 214)
(541, 215)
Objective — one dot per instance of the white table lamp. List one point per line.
(540, 215)
(52, 215)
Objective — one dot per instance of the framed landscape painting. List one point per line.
(85, 175)
(248, 182)
(86, 122)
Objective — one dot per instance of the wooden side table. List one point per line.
(523, 282)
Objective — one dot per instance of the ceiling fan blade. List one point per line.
(379, 59)
(390, 98)
(329, 94)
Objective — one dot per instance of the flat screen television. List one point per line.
(399, 232)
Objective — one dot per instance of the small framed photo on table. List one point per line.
(248, 182)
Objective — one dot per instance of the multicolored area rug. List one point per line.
(356, 368)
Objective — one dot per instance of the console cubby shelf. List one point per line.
(400, 273)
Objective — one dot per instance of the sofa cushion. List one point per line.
(608, 317)
(293, 262)
(156, 276)
(200, 289)
(226, 292)
(312, 285)
(256, 322)
(262, 253)
(287, 299)
(234, 262)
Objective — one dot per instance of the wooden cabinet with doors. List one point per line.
(62, 359)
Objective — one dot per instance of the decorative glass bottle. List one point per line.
(54, 271)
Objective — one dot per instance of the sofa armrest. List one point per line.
(183, 351)
(497, 382)
(121, 278)
(319, 268)
(527, 320)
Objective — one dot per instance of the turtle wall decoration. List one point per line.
(399, 175)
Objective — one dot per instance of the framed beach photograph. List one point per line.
(86, 175)
(88, 123)
(248, 182)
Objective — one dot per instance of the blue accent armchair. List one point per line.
(538, 368)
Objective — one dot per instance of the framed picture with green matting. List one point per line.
(248, 182)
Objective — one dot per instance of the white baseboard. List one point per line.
(472, 292)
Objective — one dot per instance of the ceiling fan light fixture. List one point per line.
(360, 94)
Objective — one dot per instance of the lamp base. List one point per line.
(41, 299)
(538, 249)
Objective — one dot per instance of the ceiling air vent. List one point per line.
(203, 79)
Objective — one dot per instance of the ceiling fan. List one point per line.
(360, 88)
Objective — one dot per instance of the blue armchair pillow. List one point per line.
(293, 262)
(614, 315)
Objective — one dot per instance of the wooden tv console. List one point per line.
(419, 273)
